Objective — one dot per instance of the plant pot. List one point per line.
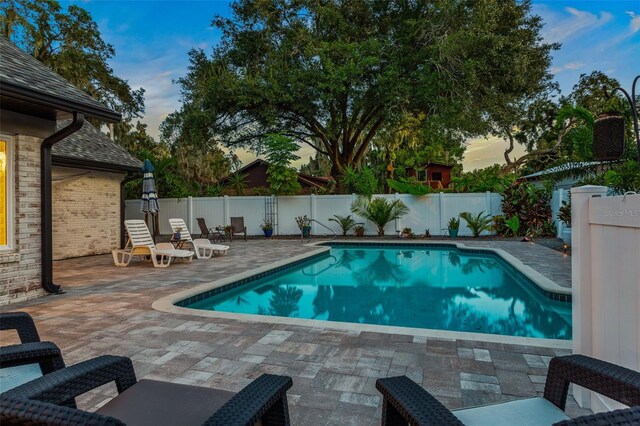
(453, 233)
(306, 231)
(177, 236)
(268, 232)
(566, 236)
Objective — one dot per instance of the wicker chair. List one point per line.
(49, 400)
(407, 403)
(31, 359)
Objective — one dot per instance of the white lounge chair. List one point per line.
(141, 243)
(203, 248)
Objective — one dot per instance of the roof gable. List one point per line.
(88, 145)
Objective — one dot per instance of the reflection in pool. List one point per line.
(437, 288)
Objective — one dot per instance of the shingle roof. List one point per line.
(90, 145)
(24, 76)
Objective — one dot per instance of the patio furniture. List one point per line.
(210, 233)
(44, 401)
(140, 243)
(201, 246)
(237, 227)
(405, 402)
(21, 363)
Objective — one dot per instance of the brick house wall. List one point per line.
(86, 212)
(20, 269)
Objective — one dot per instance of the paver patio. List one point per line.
(107, 310)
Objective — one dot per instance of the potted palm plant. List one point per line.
(453, 226)
(267, 228)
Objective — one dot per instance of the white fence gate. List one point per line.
(605, 281)
(426, 212)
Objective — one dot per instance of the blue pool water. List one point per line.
(426, 287)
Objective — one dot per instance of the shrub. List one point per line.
(362, 182)
(478, 223)
(358, 231)
(564, 213)
(532, 206)
(379, 210)
(345, 222)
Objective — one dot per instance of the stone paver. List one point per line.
(107, 310)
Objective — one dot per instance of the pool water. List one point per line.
(440, 288)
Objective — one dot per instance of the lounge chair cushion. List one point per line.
(522, 412)
(151, 402)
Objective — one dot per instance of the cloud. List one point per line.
(566, 67)
(634, 25)
(561, 28)
(484, 152)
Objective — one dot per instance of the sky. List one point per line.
(152, 39)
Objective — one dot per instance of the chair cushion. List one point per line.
(12, 377)
(522, 412)
(151, 402)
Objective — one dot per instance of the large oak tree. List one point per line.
(332, 73)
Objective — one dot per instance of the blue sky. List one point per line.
(152, 39)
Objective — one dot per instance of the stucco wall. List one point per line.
(86, 212)
(20, 268)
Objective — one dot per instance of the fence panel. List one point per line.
(209, 208)
(605, 281)
(426, 212)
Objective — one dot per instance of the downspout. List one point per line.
(46, 201)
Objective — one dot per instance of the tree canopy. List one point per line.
(331, 74)
(69, 42)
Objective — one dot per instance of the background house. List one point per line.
(257, 179)
(88, 172)
(437, 175)
(32, 99)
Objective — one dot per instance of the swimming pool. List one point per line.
(427, 286)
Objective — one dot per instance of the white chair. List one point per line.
(141, 243)
(203, 248)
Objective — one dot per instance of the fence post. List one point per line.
(487, 203)
(559, 223)
(227, 221)
(190, 212)
(398, 222)
(581, 276)
(442, 210)
(312, 206)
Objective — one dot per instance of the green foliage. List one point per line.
(266, 225)
(478, 223)
(282, 178)
(513, 223)
(482, 180)
(238, 183)
(359, 230)
(333, 73)
(532, 206)
(454, 223)
(624, 178)
(361, 182)
(169, 182)
(564, 213)
(378, 210)
(404, 186)
(346, 223)
(69, 42)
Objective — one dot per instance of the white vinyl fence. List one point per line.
(605, 265)
(426, 212)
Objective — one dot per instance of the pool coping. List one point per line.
(167, 303)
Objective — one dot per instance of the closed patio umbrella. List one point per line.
(150, 204)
